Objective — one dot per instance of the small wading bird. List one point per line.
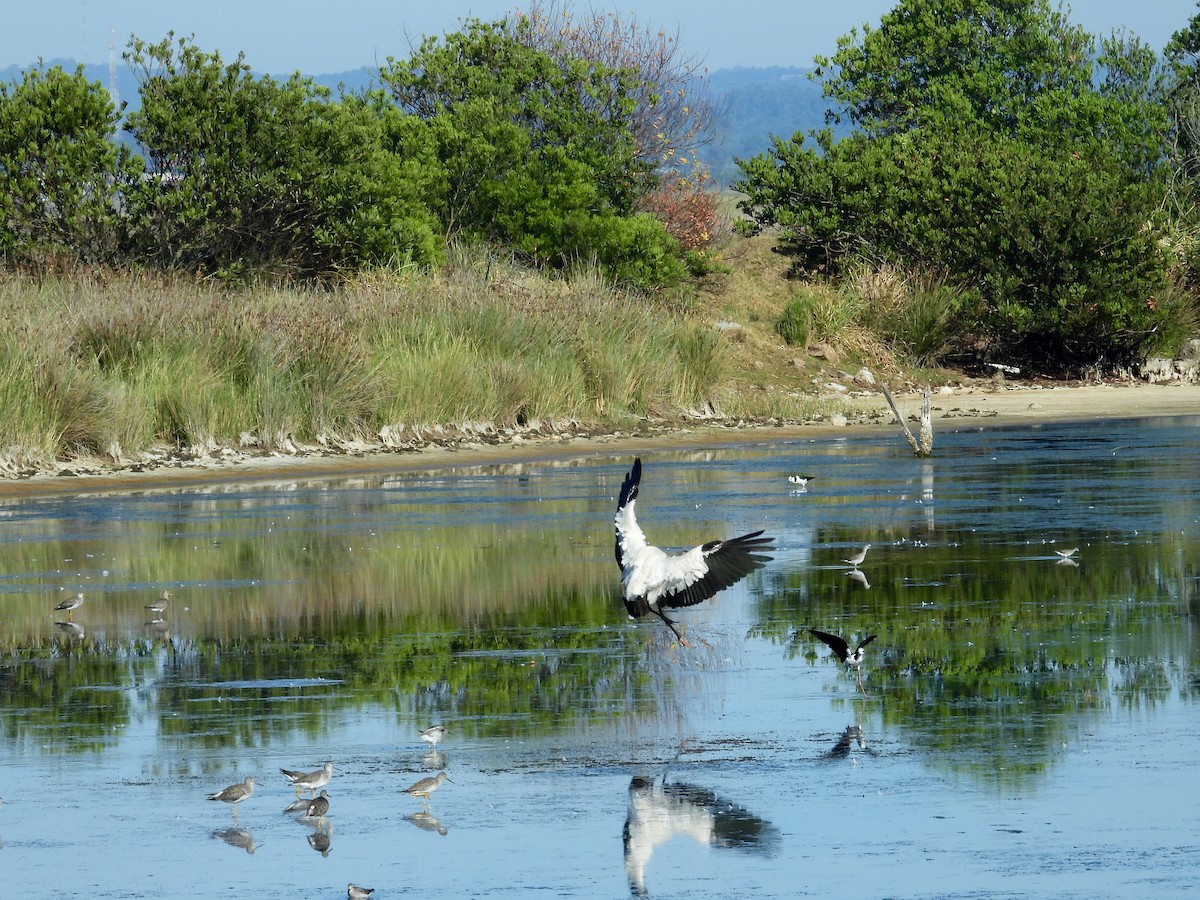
(70, 604)
(318, 807)
(1067, 554)
(842, 649)
(432, 735)
(801, 480)
(652, 580)
(235, 794)
(157, 606)
(857, 559)
(354, 892)
(425, 787)
(309, 781)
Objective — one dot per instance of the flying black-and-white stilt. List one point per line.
(653, 580)
(839, 646)
(1067, 554)
(857, 559)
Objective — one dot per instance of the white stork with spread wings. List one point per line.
(653, 580)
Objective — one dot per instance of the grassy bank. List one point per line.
(112, 367)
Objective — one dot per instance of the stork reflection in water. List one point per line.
(658, 811)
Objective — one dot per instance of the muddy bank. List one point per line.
(982, 405)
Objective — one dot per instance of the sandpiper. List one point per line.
(857, 559)
(842, 649)
(354, 892)
(309, 781)
(433, 735)
(70, 604)
(652, 580)
(235, 794)
(318, 807)
(425, 787)
(157, 606)
(1067, 554)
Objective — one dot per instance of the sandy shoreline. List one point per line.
(981, 406)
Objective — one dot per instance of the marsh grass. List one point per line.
(117, 365)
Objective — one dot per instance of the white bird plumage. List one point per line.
(652, 579)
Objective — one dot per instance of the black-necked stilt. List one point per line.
(354, 892)
(70, 604)
(309, 781)
(157, 606)
(801, 480)
(425, 787)
(842, 649)
(235, 794)
(432, 735)
(652, 579)
(857, 559)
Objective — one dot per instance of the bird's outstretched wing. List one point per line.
(865, 641)
(720, 564)
(627, 528)
(836, 643)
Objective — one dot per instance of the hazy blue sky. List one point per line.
(281, 36)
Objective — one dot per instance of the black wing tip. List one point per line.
(629, 487)
(867, 640)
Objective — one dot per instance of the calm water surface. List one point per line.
(1028, 728)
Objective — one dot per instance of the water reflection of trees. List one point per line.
(991, 657)
(507, 675)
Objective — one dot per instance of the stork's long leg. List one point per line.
(670, 624)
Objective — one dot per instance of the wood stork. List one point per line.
(842, 649)
(653, 580)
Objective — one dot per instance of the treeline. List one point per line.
(565, 142)
(1027, 191)
(1041, 181)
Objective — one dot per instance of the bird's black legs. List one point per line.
(670, 624)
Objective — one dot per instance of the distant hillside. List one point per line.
(758, 103)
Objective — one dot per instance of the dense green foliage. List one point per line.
(249, 175)
(536, 152)
(995, 146)
(246, 177)
(59, 170)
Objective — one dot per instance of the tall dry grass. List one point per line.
(116, 365)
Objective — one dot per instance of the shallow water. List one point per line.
(1028, 726)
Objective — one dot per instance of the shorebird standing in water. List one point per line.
(857, 559)
(425, 787)
(842, 650)
(235, 794)
(653, 580)
(309, 781)
(433, 735)
(801, 480)
(318, 807)
(1067, 554)
(157, 606)
(70, 604)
